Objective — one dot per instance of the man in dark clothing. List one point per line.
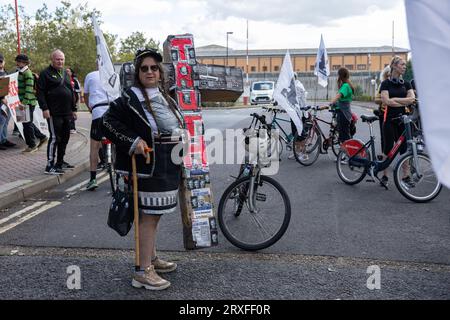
(56, 99)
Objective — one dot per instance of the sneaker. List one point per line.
(2, 147)
(150, 280)
(162, 266)
(92, 185)
(53, 170)
(42, 141)
(8, 144)
(66, 166)
(408, 183)
(30, 149)
(384, 180)
(101, 166)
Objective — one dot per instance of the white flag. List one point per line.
(108, 77)
(322, 68)
(430, 45)
(285, 93)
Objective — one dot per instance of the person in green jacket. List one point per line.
(27, 97)
(342, 101)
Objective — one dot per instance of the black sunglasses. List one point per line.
(154, 68)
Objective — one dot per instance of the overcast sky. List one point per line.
(272, 24)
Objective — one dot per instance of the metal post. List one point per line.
(228, 32)
(247, 57)
(17, 27)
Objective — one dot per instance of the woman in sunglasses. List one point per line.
(396, 94)
(146, 116)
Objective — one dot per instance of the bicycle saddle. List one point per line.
(369, 119)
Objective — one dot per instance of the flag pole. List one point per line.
(17, 27)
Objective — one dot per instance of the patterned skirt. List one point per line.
(159, 194)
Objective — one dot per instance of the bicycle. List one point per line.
(254, 211)
(109, 155)
(307, 152)
(413, 172)
(284, 137)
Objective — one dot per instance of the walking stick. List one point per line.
(136, 207)
(136, 214)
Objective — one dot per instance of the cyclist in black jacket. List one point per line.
(56, 99)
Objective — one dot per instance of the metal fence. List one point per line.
(363, 80)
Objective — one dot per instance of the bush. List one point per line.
(358, 91)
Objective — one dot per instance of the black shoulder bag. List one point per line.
(120, 216)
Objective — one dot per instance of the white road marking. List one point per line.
(19, 213)
(29, 216)
(78, 186)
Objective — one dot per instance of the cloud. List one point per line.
(272, 24)
(316, 13)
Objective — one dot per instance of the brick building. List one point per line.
(358, 59)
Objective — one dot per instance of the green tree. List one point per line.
(129, 45)
(409, 75)
(68, 28)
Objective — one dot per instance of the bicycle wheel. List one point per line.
(254, 230)
(335, 145)
(420, 184)
(307, 151)
(350, 174)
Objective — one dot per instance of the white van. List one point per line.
(261, 92)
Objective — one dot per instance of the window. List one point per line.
(336, 66)
(349, 66)
(264, 69)
(312, 67)
(276, 68)
(362, 67)
(263, 86)
(253, 69)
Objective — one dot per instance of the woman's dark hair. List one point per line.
(138, 84)
(344, 77)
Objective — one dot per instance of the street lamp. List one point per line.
(228, 32)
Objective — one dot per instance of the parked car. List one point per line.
(261, 92)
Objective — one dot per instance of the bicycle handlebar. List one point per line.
(274, 110)
(315, 108)
(262, 118)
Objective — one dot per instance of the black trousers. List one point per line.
(31, 132)
(59, 128)
(343, 127)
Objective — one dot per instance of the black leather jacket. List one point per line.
(123, 123)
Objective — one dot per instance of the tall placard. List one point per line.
(196, 199)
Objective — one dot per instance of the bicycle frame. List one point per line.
(372, 166)
(275, 125)
(315, 125)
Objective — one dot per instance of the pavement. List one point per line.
(22, 175)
